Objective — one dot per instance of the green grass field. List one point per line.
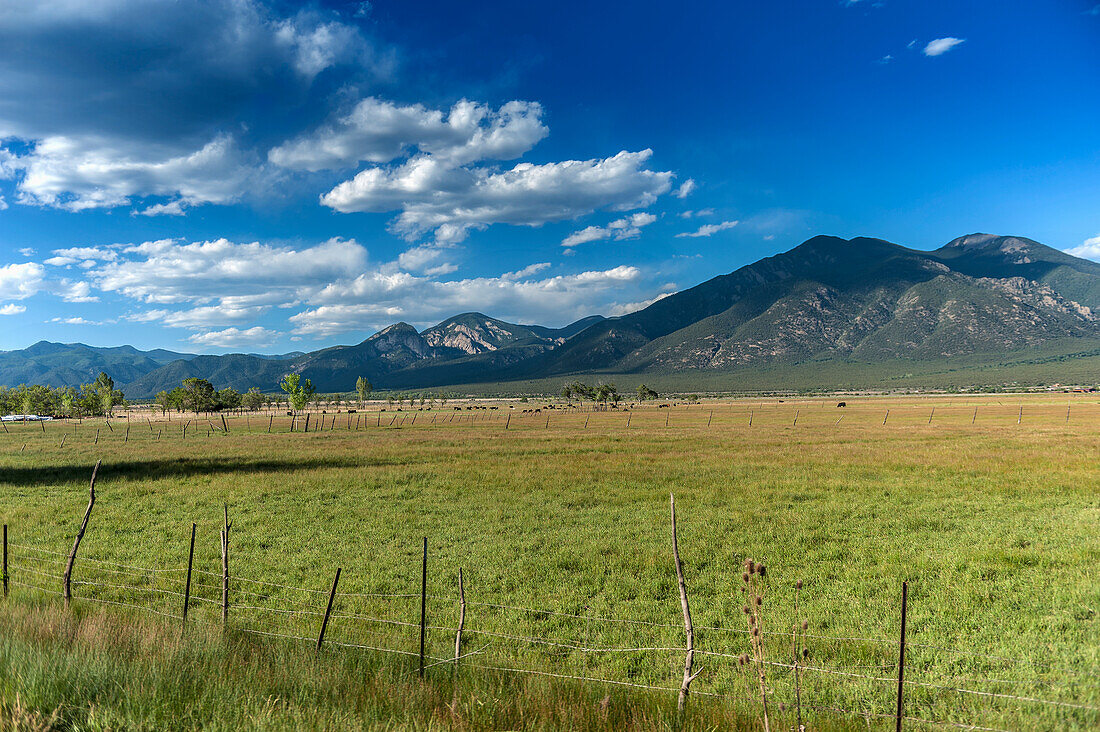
(994, 523)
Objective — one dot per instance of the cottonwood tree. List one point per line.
(363, 387)
(299, 391)
(605, 393)
(644, 392)
(105, 387)
(199, 395)
(228, 398)
(254, 399)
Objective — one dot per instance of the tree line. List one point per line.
(98, 398)
(603, 393)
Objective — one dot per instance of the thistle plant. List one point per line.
(798, 643)
(753, 578)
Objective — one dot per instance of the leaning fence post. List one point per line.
(461, 616)
(423, 602)
(187, 586)
(689, 630)
(225, 564)
(66, 578)
(901, 653)
(328, 610)
(5, 575)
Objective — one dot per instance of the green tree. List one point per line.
(105, 387)
(176, 398)
(199, 395)
(163, 400)
(70, 399)
(363, 387)
(644, 392)
(299, 391)
(606, 393)
(228, 398)
(582, 391)
(254, 399)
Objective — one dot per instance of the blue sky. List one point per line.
(235, 175)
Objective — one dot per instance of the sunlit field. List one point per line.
(989, 506)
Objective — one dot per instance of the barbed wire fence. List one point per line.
(773, 413)
(557, 643)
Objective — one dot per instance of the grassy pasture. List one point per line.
(995, 523)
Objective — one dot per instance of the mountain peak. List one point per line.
(1010, 245)
(396, 329)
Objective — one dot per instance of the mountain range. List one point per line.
(833, 301)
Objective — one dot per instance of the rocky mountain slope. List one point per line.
(859, 301)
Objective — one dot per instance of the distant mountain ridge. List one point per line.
(859, 301)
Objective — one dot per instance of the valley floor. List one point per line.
(989, 507)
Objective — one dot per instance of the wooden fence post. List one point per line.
(66, 578)
(187, 586)
(886, 418)
(930, 416)
(1021, 417)
(795, 424)
(751, 411)
(225, 564)
(423, 603)
(689, 630)
(710, 418)
(509, 420)
(5, 575)
(328, 610)
(901, 654)
(461, 616)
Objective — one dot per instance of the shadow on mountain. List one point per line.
(177, 468)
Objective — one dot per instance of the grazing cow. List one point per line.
(841, 404)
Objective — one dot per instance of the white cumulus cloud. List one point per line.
(941, 46)
(20, 281)
(708, 229)
(381, 297)
(686, 188)
(379, 131)
(235, 337)
(78, 173)
(433, 195)
(1089, 249)
(12, 309)
(628, 227)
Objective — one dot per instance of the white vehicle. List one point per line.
(24, 418)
